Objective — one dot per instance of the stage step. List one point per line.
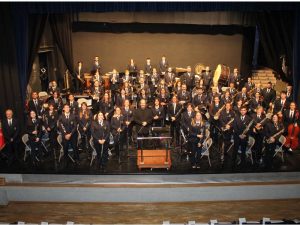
(263, 77)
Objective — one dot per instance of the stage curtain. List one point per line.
(61, 26)
(296, 58)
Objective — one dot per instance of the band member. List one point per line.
(141, 75)
(34, 131)
(114, 83)
(143, 86)
(117, 126)
(128, 118)
(35, 104)
(213, 92)
(260, 121)
(242, 96)
(50, 123)
(289, 93)
(226, 120)
(196, 139)
(289, 116)
(177, 87)
(249, 85)
(127, 77)
(96, 65)
(164, 99)
(237, 107)
(158, 114)
(281, 104)
(269, 95)
(207, 78)
(241, 129)
(100, 131)
(188, 78)
(97, 92)
(174, 110)
(143, 118)
(73, 105)
(226, 98)
(170, 79)
(132, 67)
(163, 65)
(67, 125)
(154, 79)
(186, 118)
(106, 106)
(145, 96)
(53, 87)
(120, 98)
(232, 90)
(199, 100)
(128, 90)
(214, 111)
(258, 89)
(97, 77)
(11, 133)
(148, 66)
(255, 102)
(235, 78)
(272, 131)
(79, 79)
(184, 96)
(57, 102)
(84, 125)
(162, 85)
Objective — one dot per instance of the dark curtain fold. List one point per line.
(276, 35)
(296, 58)
(61, 26)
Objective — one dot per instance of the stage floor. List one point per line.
(128, 165)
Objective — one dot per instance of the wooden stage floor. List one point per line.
(149, 212)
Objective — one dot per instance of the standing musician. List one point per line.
(163, 65)
(50, 123)
(143, 118)
(272, 131)
(281, 104)
(53, 87)
(226, 123)
(73, 105)
(235, 78)
(154, 79)
(158, 112)
(289, 93)
(114, 83)
(196, 139)
(255, 102)
(97, 92)
(249, 85)
(96, 65)
(84, 125)
(164, 100)
(79, 79)
(232, 90)
(127, 77)
(34, 131)
(269, 96)
(148, 66)
(199, 100)
(132, 67)
(100, 131)
(289, 116)
(128, 118)
(188, 78)
(241, 127)
(67, 125)
(214, 111)
(174, 110)
(260, 121)
(120, 98)
(57, 102)
(170, 79)
(186, 118)
(258, 89)
(226, 98)
(35, 105)
(237, 107)
(184, 96)
(207, 78)
(117, 125)
(106, 106)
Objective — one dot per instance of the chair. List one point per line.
(25, 140)
(44, 139)
(61, 151)
(206, 147)
(279, 149)
(94, 153)
(251, 142)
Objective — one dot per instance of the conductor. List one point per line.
(143, 118)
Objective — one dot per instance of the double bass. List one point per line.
(292, 140)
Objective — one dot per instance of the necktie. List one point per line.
(292, 114)
(67, 116)
(33, 121)
(9, 122)
(242, 118)
(35, 103)
(268, 90)
(189, 114)
(71, 104)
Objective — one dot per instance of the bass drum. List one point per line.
(221, 75)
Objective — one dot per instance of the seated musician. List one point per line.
(226, 120)
(53, 87)
(144, 95)
(291, 117)
(232, 90)
(242, 96)
(249, 85)
(199, 100)
(188, 78)
(237, 107)
(255, 102)
(174, 110)
(184, 96)
(162, 85)
(50, 119)
(241, 130)
(73, 105)
(127, 112)
(281, 104)
(132, 67)
(164, 99)
(170, 79)
(128, 90)
(158, 113)
(67, 125)
(289, 93)
(97, 77)
(154, 79)
(97, 91)
(269, 95)
(148, 66)
(213, 92)
(57, 102)
(214, 112)
(79, 79)
(163, 65)
(235, 78)
(106, 106)
(120, 98)
(100, 131)
(177, 87)
(141, 75)
(84, 125)
(34, 131)
(207, 78)
(114, 83)
(258, 89)
(260, 121)
(226, 98)
(35, 104)
(143, 117)
(186, 118)
(127, 77)
(196, 138)
(272, 132)
(117, 125)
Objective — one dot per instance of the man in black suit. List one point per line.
(163, 65)
(79, 78)
(269, 95)
(53, 88)
(207, 78)
(148, 66)
(281, 104)
(170, 79)
(184, 96)
(96, 65)
(289, 93)
(67, 125)
(188, 78)
(235, 78)
(174, 110)
(73, 105)
(143, 119)
(11, 133)
(35, 104)
(249, 85)
(291, 116)
(186, 118)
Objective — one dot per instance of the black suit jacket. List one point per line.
(67, 126)
(239, 126)
(10, 132)
(36, 108)
(100, 132)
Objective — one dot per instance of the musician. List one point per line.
(174, 110)
(143, 86)
(177, 87)
(132, 67)
(50, 123)
(97, 91)
(164, 99)
(128, 118)
(242, 96)
(11, 134)
(188, 78)
(143, 118)
(67, 125)
(73, 105)
(97, 77)
(35, 104)
(170, 79)
(235, 78)
(84, 125)
(269, 95)
(114, 83)
(34, 131)
(260, 121)
(117, 125)
(207, 77)
(226, 98)
(79, 80)
(148, 66)
(272, 134)
(184, 96)
(128, 90)
(162, 85)
(199, 100)
(96, 65)
(144, 95)
(281, 104)
(158, 113)
(57, 102)
(290, 116)
(241, 133)
(163, 65)
(214, 111)
(186, 118)
(255, 102)
(237, 107)
(232, 90)
(120, 98)
(249, 85)
(289, 93)
(226, 120)
(196, 139)
(53, 87)
(106, 106)
(100, 131)
(127, 77)
(258, 89)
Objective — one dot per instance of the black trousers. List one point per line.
(237, 143)
(35, 149)
(257, 148)
(175, 127)
(102, 153)
(11, 149)
(118, 142)
(269, 153)
(195, 150)
(73, 143)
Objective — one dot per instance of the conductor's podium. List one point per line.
(154, 158)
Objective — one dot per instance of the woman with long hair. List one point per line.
(84, 125)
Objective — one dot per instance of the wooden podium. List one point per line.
(154, 158)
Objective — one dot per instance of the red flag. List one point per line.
(2, 141)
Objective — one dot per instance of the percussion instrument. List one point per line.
(199, 68)
(88, 78)
(221, 75)
(106, 81)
